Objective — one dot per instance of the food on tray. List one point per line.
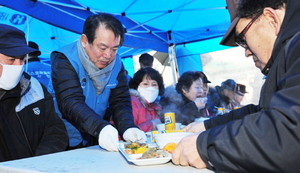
(136, 148)
(154, 153)
(170, 147)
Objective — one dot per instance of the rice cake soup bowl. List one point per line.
(163, 139)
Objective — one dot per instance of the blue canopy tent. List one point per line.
(159, 25)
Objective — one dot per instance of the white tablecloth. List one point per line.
(88, 160)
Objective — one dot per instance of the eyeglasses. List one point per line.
(239, 39)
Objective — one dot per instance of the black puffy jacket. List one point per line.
(29, 126)
(71, 101)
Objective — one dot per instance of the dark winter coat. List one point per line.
(71, 101)
(263, 138)
(29, 125)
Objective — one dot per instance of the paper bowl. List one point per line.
(164, 138)
(160, 127)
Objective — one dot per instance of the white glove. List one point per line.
(108, 138)
(134, 135)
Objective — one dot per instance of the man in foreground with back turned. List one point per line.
(264, 137)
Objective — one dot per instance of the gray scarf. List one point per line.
(100, 77)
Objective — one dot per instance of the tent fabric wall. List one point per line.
(47, 36)
(184, 55)
(129, 65)
(154, 24)
(150, 25)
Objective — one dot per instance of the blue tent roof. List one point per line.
(150, 24)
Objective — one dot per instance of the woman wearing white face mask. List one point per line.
(145, 87)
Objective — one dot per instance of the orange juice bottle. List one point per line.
(170, 121)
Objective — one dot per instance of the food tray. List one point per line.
(134, 158)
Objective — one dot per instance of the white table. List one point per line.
(88, 160)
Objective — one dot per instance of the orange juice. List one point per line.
(170, 121)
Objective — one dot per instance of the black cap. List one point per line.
(13, 42)
(205, 80)
(35, 46)
(240, 89)
(228, 38)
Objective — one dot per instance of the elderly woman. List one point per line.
(187, 99)
(145, 87)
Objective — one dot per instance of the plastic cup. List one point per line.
(160, 127)
(178, 125)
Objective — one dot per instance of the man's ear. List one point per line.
(274, 17)
(84, 40)
(184, 91)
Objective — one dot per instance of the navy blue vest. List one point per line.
(99, 103)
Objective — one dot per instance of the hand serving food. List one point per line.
(108, 138)
(134, 135)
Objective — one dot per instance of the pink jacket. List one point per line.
(143, 112)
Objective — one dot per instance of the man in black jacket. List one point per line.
(263, 137)
(29, 125)
(91, 86)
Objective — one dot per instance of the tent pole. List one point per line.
(172, 60)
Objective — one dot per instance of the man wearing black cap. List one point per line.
(205, 85)
(29, 125)
(222, 97)
(240, 91)
(263, 137)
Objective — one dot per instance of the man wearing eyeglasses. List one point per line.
(263, 137)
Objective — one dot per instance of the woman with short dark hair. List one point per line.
(187, 99)
(145, 87)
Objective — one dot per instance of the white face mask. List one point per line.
(150, 93)
(11, 75)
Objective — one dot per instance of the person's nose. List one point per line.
(108, 54)
(200, 90)
(248, 53)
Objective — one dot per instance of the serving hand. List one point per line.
(134, 135)
(108, 138)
